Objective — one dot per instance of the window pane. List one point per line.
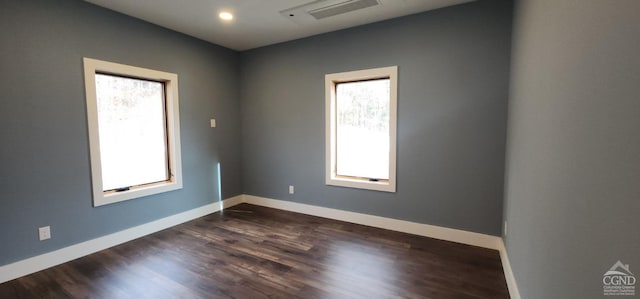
(131, 124)
(362, 129)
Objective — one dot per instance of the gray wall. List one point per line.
(44, 171)
(452, 107)
(573, 162)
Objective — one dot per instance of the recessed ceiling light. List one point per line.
(226, 16)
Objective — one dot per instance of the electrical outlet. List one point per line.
(291, 189)
(44, 233)
(213, 122)
(505, 228)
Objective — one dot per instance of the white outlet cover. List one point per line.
(213, 122)
(44, 233)
(291, 190)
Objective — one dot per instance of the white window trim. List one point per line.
(91, 66)
(330, 121)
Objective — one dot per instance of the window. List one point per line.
(134, 135)
(361, 129)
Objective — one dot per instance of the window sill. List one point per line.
(350, 182)
(105, 198)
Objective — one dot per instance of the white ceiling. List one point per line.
(259, 22)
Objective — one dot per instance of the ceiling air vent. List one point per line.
(316, 10)
(342, 7)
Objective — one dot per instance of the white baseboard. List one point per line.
(508, 272)
(230, 202)
(432, 231)
(63, 255)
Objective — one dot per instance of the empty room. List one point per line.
(319, 149)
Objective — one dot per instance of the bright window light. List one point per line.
(131, 122)
(362, 128)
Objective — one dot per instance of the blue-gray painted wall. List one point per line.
(573, 163)
(453, 76)
(44, 156)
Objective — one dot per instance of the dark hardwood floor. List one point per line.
(256, 252)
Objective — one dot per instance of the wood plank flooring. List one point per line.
(255, 252)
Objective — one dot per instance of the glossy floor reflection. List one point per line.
(257, 252)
